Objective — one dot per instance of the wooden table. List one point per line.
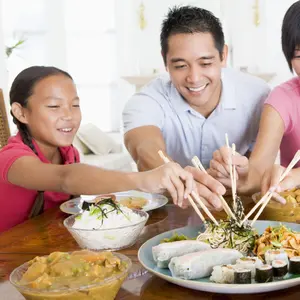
(46, 234)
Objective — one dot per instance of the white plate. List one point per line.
(155, 201)
(204, 284)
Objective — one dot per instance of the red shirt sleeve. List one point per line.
(9, 154)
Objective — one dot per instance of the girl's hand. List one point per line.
(271, 177)
(219, 165)
(171, 177)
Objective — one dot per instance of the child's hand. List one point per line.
(271, 177)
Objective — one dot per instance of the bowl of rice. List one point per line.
(106, 226)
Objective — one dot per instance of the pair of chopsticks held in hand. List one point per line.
(270, 193)
(195, 198)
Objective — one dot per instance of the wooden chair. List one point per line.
(4, 127)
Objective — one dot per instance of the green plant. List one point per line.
(9, 50)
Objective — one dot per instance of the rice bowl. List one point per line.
(118, 231)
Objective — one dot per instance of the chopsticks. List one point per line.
(231, 170)
(234, 194)
(266, 198)
(197, 163)
(195, 196)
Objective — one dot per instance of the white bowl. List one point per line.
(109, 238)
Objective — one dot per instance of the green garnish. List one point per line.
(101, 209)
(174, 238)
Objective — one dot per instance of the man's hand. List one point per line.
(220, 166)
(207, 187)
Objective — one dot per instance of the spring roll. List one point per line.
(200, 264)
(163, 253)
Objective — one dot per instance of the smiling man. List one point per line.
(188, 111)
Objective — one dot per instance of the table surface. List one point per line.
(46, 233)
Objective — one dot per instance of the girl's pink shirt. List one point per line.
(16, 202)
(285, 99)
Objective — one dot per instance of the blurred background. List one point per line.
(111, 47)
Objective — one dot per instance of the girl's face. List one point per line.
(53, 113)
(296, 62)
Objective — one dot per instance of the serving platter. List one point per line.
(204, 284)
(154, 201)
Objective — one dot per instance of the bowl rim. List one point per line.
(146, 215)
(275, 204)
(74, 289)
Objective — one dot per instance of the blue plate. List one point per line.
(146, 259)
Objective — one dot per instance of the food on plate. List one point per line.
(200, 264)
(264, 273)
(280, 268)
(175, 237)
(294, 265)
(229, 234)
(279, 237)
(222, 274)
(249, 263)
(271, 255)
(134, 202)
(85, 274)
(163, 253)
(242, 276)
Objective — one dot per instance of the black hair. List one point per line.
(190, 19)
(22, 88)
(290, 32)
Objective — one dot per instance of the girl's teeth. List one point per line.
(66, 129)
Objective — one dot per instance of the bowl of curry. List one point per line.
(78, 275)
(289, 212)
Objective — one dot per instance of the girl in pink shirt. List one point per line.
(279, 127)
(40, 159)
(39, 168)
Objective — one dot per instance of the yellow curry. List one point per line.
(61, 271)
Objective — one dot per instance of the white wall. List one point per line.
(99, 41)
(256, 47)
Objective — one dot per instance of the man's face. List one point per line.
(194, 65)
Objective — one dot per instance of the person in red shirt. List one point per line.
(39, 167)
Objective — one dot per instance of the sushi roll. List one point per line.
(264, 274)
(280, 268)
(242, 276)
(294, 265)
(222, 274)
(250, 263)
(271, 255)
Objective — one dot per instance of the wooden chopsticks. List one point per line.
(195, 196)
(232, 170)
(197, 163)
(266, 198)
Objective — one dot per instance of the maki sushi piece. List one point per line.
(279, 254)
(249, 263)
(242, 276)
(294, 265)
(264, 274)
(223, 274)
(280, 268)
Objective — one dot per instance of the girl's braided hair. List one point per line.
(22, 88)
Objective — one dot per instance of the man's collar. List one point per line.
(227, 100)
